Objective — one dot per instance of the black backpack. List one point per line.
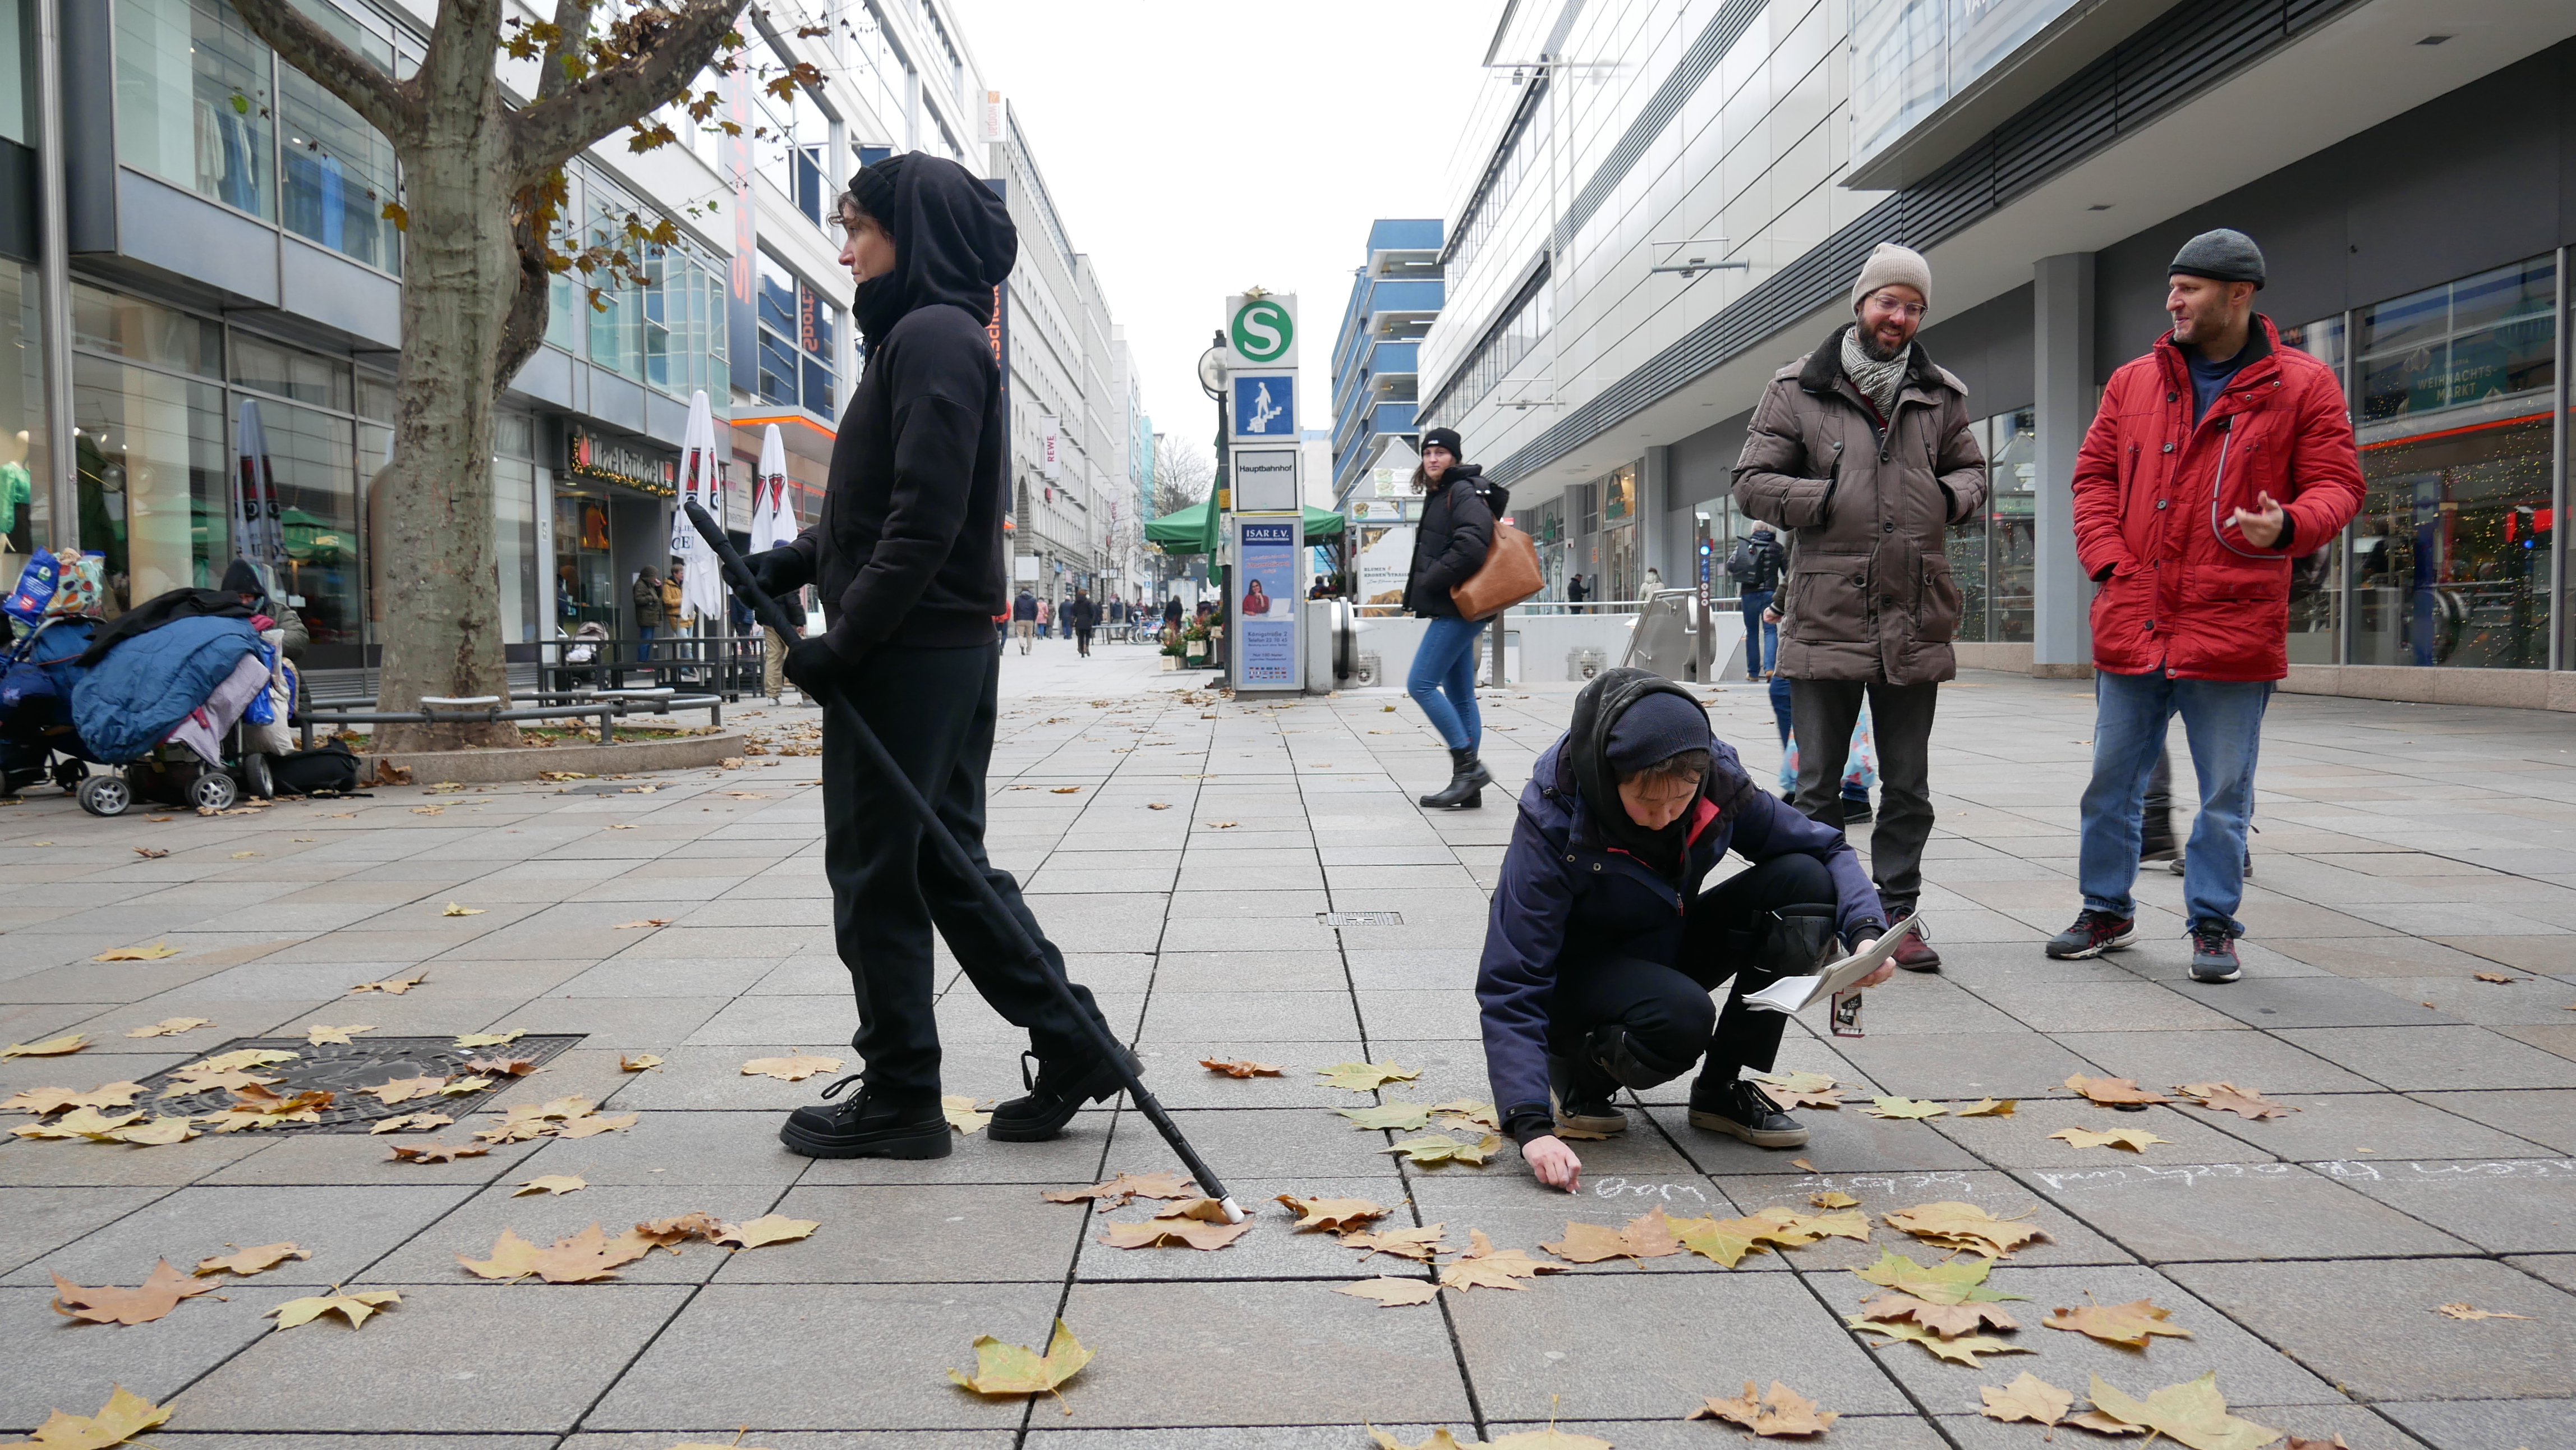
(326, 770)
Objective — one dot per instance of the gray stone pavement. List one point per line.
(2405, 850)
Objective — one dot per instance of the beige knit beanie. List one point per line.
(1890, 265)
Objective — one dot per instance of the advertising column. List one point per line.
(1267, 523)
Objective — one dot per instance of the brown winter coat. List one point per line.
(1868, 593)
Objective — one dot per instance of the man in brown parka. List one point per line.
(1860, 452)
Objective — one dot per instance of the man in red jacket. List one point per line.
(2215, 460)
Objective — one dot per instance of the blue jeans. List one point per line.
(644, 646)
(1761, 641)
(2223, 721)
(1443, 680)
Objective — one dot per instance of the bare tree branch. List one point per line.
(553, 128)
(524, 330)
(391, 106)
(572, 35)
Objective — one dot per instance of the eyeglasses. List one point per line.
(1911, 310)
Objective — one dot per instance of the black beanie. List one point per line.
(1655, 729)
(1444, 438)
(2224, 255)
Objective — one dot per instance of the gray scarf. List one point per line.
(1879, 380)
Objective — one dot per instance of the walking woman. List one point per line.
(1449, 545)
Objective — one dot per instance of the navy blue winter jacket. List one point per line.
(1567, 899)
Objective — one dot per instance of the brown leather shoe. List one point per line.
(1915, 954)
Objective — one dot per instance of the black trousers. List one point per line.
(1822, 712)
(934, 709)
(1666, 1007)
(1082, 638)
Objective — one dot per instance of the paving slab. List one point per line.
(41, 1220)
(1967, 1065)
(2435, 1059)
(2168, 1213)
(915, 1234)
(2510, 1205)
(2336, 1125)
(2258, 1060)
(2069, 1240)
(344, 1229)
(2476, 1424)
(1839, 1141)
(2364, 1428)
(473, 1227)
(2558, 1269)
(2370, 1325)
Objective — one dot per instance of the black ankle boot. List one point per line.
(1583, 1097)
(1467, 781)
(1057, 1091)
(872, 1124)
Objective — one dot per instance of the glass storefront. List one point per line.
(153, 468)
(2316, 615)
(1992, 556)
(26, 524)
(1619, 573)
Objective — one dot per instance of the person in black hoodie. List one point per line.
(908, 554)
(1449, 546)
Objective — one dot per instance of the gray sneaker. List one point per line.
(2213, 954)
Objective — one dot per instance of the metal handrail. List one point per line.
(608, 706)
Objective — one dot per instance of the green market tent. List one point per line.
(1193, 530)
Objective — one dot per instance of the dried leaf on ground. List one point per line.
(257, 1107)
(637, 1062)
(46, 1100)
(2026, 1398)
(1237, 1067)
(2227, 1097)
(394, 985)
(1463, 1113)
(1965, 1226)
(491, 1039)
(1392, 1293)
(159, 1293)
(2134, 1140)
(159, 1132)
(1726, 1241)
(1485, 1267)
(1949, 1320)
(50, 1047)
(1903, 1108)
(1417, 1244)
(649, 921)
(2192, 1413)
(961, 1114)
(1962, 1349)
(1801, 1089)
(1365, 1077)
(124, 1416)
(669, 1233)
(503, 1066)
(580, 1259)
(404, 1089)
(2499, 978)
(436, 1152)
(1833, 1199)
(78, 1123)
(246, 1262)
(1197, 1223)
(1396, 1117)
(587, 1126)
(1649, 1236)
(2113, 1091)
(2463, 1311)
(773, 1228)
(415, 1122)
(1432, 1149)
(241, 1060)
(353, 1307)
(2302, 1442)
(557, 1184)
(170, 1027)
(1332, 1214)
(1989, 1108)
(2128, 1324)
(1012, 1369)
(1782, 1414)
(455, 910)
(319, 1035)
(152, 853)
(152, 953)
(1550, 1438)
(1126, 1188)
(790, 1069)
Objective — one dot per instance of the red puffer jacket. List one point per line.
(2185, 592)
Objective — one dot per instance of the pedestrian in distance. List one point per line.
(1602, 952)
(1449, 546)
(1046, 616)
(1024, 617)
(1574, 592)
(1755, 566)
(2213, 462)
(1080, 617)
(1654, 582)
(1172, 619)
(1861, 450)
(908, 553)
(648, 613)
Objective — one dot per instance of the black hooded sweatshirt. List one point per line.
(908, 549)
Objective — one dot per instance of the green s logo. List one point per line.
(1262, 330)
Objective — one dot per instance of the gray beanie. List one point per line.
(1890, 265)
(2225, 255)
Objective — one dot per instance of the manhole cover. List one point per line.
(347, 1073)
(1360, 918)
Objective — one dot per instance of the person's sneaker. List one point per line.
(1741, 1109)
(1915, 953)
(2093, 933)
(2213, 953)
(1057, 1091)
(1856, 811)
(1586, 1114)
(2176, 867)
(868, 1125)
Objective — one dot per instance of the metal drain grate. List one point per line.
(347, 1072)
(1360, 918)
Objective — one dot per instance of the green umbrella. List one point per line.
(1193, 530)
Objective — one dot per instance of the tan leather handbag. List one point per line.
(1509, 575)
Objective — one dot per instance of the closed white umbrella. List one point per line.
(701, 483)
(772, 522)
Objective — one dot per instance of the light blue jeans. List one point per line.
(2223, 720)
(1443, 680)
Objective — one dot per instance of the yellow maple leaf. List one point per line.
(124, 1416)
(50, 1047)
(961, 1114)
(152, 953)
(2027, 1398)
(1013, 1369)
(768, 1229)
(353, 1307)
(2135, 1140)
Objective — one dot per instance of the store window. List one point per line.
(2317, 612)
(1965, 543)
(25, 503)
(292, 373)
(153, 470)
(193, 104)
(313, 456)
(2450, 556)
(514, 523)
(797, 329)
(338, 173)
(585, 572)
(142, 332)
(2012, 492)
(1618, 571)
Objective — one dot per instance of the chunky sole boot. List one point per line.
(1467, 781)
(1742, 1110)
(1584, 1107)
(870, 1125)
(1056, 1093)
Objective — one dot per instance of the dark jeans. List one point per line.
(1082, 638)
(1666, 1006)
(1758, 635)
(644, 643)
(934, 710)
(1823, 713)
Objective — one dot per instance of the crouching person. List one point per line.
(1602, 952)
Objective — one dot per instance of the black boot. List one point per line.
(1584, 1097)
(1467, 781)
(872, 1124)
(1741, 1109)
(1057, 1091)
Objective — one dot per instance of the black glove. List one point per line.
(780, 572)
(813, 665)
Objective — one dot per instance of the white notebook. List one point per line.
(1794, 994)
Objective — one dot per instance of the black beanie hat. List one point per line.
(1444, 438)
(2224, 255)
(1655, 729)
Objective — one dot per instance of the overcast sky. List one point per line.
(1195, 148)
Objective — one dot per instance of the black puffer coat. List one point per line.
(1450, 543)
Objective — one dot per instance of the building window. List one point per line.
(797, 328)
(2316, 614)
(25, 510)
(337, 172)
(2450, 556)
(1965, 542)
(1524, 139)
(790, 137)
(193, 101)
(1523, 322)
(13, 71)
(2012, 507)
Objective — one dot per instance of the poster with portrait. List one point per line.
(1266, 604)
